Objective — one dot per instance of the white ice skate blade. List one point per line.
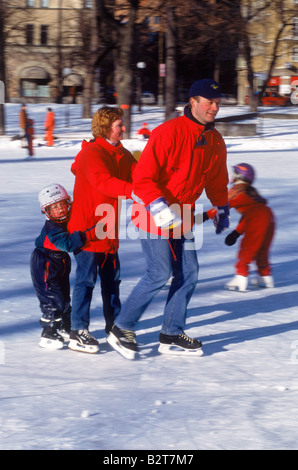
(125, 352)
(87, 348)
(179, 351)
(263, 282)
(48, 343)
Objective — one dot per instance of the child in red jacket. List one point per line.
(256, 226)
(50, 264)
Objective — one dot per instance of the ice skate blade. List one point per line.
(125, 352)
(178, 351)
(235, 289)
(47, 343)
(263, 282)
(86, 348)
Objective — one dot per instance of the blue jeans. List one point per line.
(164, 257)
(108, 268)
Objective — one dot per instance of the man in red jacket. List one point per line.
(183, 157)
(103, 175)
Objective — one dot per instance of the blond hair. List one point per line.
(103, 119)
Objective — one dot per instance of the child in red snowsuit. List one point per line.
(256, 226)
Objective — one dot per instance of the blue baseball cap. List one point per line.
(207, 88)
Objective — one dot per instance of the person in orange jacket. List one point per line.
(256, 227)
(49, 125)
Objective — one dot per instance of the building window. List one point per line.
(34, 89)
(29, 34)
(31, 3)
(87, 4)
(43, 35)
(44, 3)
(295, 54)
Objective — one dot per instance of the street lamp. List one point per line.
(66, 72)
(141, 66)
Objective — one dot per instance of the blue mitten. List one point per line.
(222, 220)
(163, 215)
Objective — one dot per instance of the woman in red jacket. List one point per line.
(256, 226)
(103, 175)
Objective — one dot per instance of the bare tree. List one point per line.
(122, 24)
(171, 48)
(6, 14)
(90, 48)
(252, 12)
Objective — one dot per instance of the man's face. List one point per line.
(203, 109)
(117, 130)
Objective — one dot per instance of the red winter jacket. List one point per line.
(248, 202)
(103, 173)
(180, 160)
(49, 122)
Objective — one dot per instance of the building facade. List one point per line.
(267, 19)
(44, 53)
(43, 49)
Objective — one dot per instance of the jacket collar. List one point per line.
(202, 127)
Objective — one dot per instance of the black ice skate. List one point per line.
(179, 345)
(82, 340)
(123, 341)
(51, 339)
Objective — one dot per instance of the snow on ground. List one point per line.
(241, 394)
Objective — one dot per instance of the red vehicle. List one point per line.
(272, 98)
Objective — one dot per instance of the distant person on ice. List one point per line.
(256, 227)
(26, 130)
(49, 126)
(144, 132)
(23, 122)
(30, 136)
(50, 265)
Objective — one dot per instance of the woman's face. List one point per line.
(117, 131)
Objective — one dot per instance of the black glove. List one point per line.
(205, 216)
(232, 238)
